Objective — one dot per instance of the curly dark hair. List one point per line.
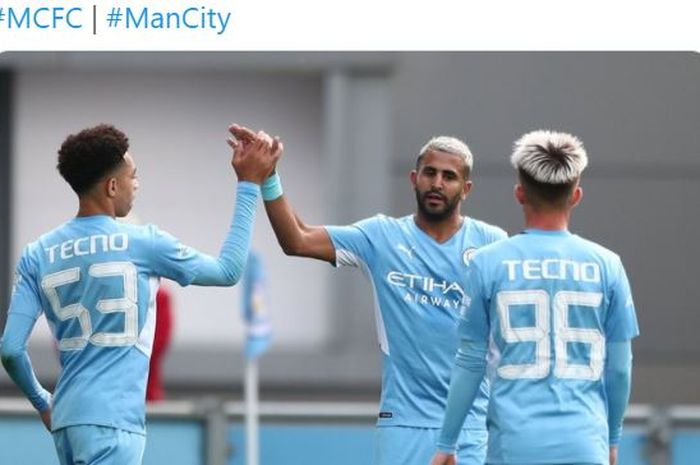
(86, 157)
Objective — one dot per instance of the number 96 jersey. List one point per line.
(96, 281)
(547, 302)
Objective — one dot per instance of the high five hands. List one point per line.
(255, 155)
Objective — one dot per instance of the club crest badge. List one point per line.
(467, 255)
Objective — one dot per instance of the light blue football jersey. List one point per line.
(547, 302)
(96, 281)
(417, 295)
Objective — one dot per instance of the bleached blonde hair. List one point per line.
(448, 144)
(550, 157)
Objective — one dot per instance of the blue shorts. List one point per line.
(98, 445)
(402, 445)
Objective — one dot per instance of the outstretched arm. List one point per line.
(227, 268)
(252, 163)
(294, 236)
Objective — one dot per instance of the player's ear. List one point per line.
(413, 176)
(519, 192)
(576, 196)
(466, 189)
(111, 187)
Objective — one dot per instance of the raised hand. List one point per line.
(255, 155)
(277, 149)
(276, 146)
(242, 134)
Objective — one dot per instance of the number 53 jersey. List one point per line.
(96, 281)
(547, 302)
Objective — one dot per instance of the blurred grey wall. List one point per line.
(352, 124)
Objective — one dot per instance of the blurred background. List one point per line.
(352, 124)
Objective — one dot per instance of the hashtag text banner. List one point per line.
(123, 25)
(358, 25)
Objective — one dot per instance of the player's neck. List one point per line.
(89, 206)
(440, 231)
(547, 220)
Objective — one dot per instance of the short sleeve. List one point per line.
(621, 319)
(352, 244)
(497, 234)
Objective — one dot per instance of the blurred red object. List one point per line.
(161, 341)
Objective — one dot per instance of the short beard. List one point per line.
(435, 217)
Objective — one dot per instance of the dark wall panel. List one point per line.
(5, 188)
